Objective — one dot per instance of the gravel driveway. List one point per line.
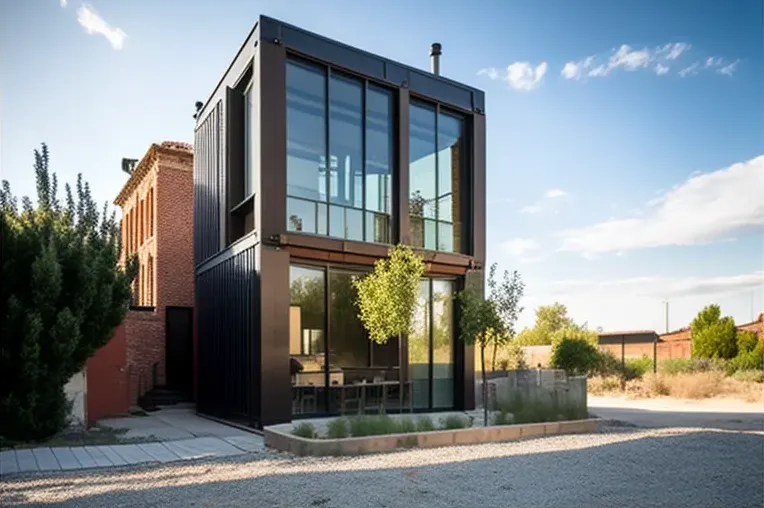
(617, 467)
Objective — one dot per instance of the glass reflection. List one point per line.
(306, 339)
(442, 344)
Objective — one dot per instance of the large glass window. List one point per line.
(431, 347)
(435, 155)
(348, 197)
(306, 339)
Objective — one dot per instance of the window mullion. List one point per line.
(363, 160)
(437, 178)
(327, 140)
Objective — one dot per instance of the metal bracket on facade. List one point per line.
(404, 84)
(277, 41)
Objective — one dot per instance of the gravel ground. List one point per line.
(617, 467)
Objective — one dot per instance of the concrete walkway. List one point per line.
(178, 434)
(724, 414)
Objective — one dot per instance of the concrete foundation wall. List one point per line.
(75, 391)
(541, 386)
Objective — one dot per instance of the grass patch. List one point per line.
(453, 422)
(539, 411)
(600, 385)
(425, 424)
(749, 376)
(306, 430)
(503, 417)
(337, 428)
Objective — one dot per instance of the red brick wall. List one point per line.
(175, 232)
(107, 383)
(145, 348)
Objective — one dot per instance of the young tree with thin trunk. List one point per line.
(487, 321)
(388, 297)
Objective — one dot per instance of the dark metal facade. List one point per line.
(243, 289)
(209, 175)
(228, 354)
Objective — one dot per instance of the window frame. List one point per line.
(328, 69)
(465, 174)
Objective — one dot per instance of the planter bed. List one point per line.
(283, 440)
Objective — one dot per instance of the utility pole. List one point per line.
(667, 315)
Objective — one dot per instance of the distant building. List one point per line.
(153, 347)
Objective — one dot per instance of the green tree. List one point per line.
(63, 294)
(576, 356)
(506, 295)
(575, 331)
(487, 321)
(549, 320)
(746, 341)
(388, 297)
(713, 336)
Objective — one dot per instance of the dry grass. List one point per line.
(697, 385)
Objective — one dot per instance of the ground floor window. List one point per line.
(336, 369)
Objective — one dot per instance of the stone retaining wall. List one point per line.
(284, 441)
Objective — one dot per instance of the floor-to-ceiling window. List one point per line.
(307, 317)
(435, 166)
(431, 347)
(339, 155)
(362, 376)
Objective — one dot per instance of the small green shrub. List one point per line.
(366, 425)
(425, 424)
(751, 376)
(503, 417)
(306, 430)
(691, 365)
(748, 360)
(406, 425)
(638, 367)
(576, 356)
(337, 428)
(452, 422)
(746, 341)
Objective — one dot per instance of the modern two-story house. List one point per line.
(312, 159)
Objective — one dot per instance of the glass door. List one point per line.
(419, 351)
(442, 344)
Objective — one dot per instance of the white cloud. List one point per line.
(95, 24)
(665, 287)
(526, 250)
(638, 302)
(713, 61)
(703, 209)
(574, 70)
(692, 69)
(657, 59)
(63, 3)
(491, 72)
(522, 75)
(555, 193)
(536, 208)
(540, 205)
(729, 69)
(673, 51)
(519, 75)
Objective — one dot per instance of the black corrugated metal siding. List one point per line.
(227, 323)
(209, 181)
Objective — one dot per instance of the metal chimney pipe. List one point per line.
(435, 52)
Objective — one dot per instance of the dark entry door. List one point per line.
(179, 349)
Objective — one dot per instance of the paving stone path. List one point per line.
(83, 457)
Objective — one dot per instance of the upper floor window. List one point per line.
(435, 168)
(339, 155)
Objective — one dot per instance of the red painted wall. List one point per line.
(107, 386)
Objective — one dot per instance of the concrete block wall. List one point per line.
(534, 385)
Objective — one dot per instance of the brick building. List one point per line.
(153, 347)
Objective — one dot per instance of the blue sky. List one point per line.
(622, 136)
